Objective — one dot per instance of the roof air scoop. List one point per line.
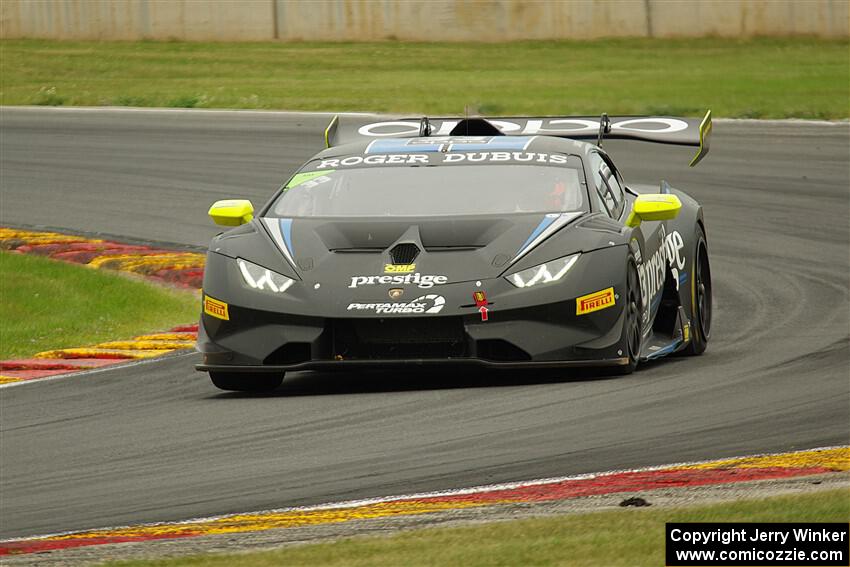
(404, 253)
(424, 127)
(475, 127)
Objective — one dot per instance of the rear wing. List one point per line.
(661, 129)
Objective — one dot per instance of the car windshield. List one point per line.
(432, 191)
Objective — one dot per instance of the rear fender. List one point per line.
(681, 243)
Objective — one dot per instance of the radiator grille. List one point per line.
(427, 337)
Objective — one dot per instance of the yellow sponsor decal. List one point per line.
(595, 301)
(215, 308)
(399, 269)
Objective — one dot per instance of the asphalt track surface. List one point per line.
(157, 442)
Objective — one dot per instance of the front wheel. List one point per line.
(701, 301)
(245, 382)
(631, 323)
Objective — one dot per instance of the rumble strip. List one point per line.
(174, 267)
(759, 467)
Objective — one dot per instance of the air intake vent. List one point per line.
(404, 253)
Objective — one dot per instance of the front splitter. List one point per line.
(343, 365)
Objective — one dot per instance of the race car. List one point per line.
(497, 243)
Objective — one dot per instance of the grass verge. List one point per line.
(46, 304)
(758, 78)
(631, 538)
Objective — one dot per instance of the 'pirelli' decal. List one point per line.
(215, 308)
(595, 301)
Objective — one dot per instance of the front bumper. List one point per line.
(313, 327)
(544, 336)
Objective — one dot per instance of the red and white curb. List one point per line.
(173, 267)
(705, 473)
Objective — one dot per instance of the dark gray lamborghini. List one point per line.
(502, 243)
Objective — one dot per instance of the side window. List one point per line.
(597, 189)
(600, 202)
(616, 182)
(607, 186)
(615, 188)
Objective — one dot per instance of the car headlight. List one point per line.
(544, 273)
(261, 278)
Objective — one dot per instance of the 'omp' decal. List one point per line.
(399, 268)
(595, 301)
(216, 308)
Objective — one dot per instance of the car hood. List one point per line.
(457, 248)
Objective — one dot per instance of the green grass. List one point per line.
(760, 78)
(46, 304)
(630, 538)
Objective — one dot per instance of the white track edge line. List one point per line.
(422, 495)
(106, 368)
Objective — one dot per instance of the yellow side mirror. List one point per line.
(231, 212)
(656, 207)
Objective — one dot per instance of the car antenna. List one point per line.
(424, 127)
(604, 128)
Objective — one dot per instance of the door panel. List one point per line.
(647, 245)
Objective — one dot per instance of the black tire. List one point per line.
(631, 324)
(702, 298)
(244, 382)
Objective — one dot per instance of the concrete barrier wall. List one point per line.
(434, 20)
(226, 20)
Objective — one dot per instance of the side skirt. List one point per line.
(662, 344)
